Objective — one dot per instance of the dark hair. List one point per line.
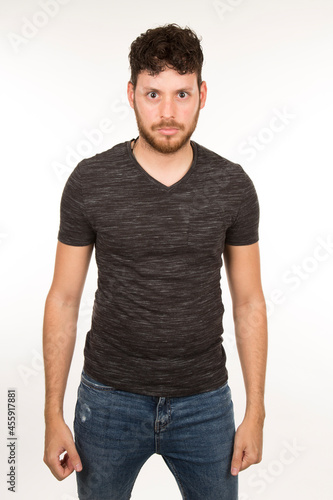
(168, 46)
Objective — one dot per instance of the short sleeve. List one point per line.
(245, 228)
(74, 227)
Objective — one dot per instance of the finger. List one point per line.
(67, 465)
(74, 461)
(59, 469)
(64, 466)
(236, 462)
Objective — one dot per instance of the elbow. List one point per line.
(250, 305)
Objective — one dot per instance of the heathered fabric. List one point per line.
(157, 318)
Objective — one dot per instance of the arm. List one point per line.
(59, 334)
(249, 311)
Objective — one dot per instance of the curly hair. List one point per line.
(168, 46)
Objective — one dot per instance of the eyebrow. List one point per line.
(183, 89)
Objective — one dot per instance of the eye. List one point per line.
(183, 94)
(152, 95)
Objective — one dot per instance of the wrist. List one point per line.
(53, 415)
(255, 412)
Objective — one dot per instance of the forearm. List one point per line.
(59, 334)
(251, 338)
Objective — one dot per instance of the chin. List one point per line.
(168, 144)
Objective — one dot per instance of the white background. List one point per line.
(263, 59)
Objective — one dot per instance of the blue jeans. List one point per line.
(117, 431)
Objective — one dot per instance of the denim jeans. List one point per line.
(117, 431)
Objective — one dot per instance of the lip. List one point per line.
(168, 131)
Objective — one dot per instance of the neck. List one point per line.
(150, 157)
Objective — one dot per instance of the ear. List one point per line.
(203, 94)
(130, 94)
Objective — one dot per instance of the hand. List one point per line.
(248, 444)
(59, 439)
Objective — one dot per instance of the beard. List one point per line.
(166, 144)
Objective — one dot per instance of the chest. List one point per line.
(153, 220)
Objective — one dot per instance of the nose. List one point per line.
(167, 108)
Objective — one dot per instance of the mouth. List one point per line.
(168, 130)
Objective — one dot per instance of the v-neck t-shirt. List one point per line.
(156, 326)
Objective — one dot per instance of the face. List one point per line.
(167, 108)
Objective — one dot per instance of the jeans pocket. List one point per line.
(91, 383)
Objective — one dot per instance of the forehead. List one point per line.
(167, 79)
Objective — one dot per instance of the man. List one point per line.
(161, 210)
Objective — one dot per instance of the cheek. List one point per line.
(189, 113)
(148, 114)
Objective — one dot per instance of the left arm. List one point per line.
(242, 265)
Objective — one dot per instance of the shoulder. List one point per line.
(105, 158)
(95, 169)
(219, 165)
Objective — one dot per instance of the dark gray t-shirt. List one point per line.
(157, 318)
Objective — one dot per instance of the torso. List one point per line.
(166, 178)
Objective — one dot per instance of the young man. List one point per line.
(161, 211)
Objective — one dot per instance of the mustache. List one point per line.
(170, 124)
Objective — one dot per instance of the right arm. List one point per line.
(59, 335)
